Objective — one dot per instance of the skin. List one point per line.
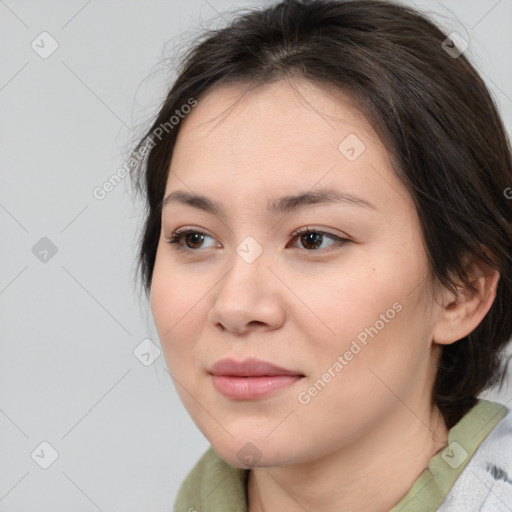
(363, 440)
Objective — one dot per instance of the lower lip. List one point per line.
(250, 388)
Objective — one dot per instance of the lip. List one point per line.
(249, 368)
(250, 379)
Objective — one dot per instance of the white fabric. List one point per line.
(485, 484)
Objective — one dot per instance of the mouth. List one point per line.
(250, 379)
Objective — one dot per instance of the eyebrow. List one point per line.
(280, 205)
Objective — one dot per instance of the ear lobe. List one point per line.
(461, 313)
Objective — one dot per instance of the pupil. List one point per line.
(195, 235)
(312, 237)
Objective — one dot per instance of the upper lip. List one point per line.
(249, 368)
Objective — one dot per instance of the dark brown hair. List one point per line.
(440, 123)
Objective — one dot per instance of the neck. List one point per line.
(370, 475)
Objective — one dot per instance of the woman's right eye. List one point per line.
(177, 238)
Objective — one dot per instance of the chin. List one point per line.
(247, 457)
(250, 454)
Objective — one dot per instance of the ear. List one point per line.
(461, 313)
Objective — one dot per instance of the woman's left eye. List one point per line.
(315, 237)
(309, 239)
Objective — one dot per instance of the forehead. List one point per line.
(298, 111)
(281, 135)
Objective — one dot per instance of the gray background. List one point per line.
(70, 323)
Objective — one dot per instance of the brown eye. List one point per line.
(312, 240)
(195, 240)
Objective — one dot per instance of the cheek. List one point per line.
(175, 292)
(347, 301)
(176, 300)
(368, 315)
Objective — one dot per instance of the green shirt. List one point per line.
(213, 485)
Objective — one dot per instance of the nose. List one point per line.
(248, 297)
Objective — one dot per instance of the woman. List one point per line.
(328, 255)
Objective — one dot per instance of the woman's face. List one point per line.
(347, 319)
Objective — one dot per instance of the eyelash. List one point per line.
(178, 235)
